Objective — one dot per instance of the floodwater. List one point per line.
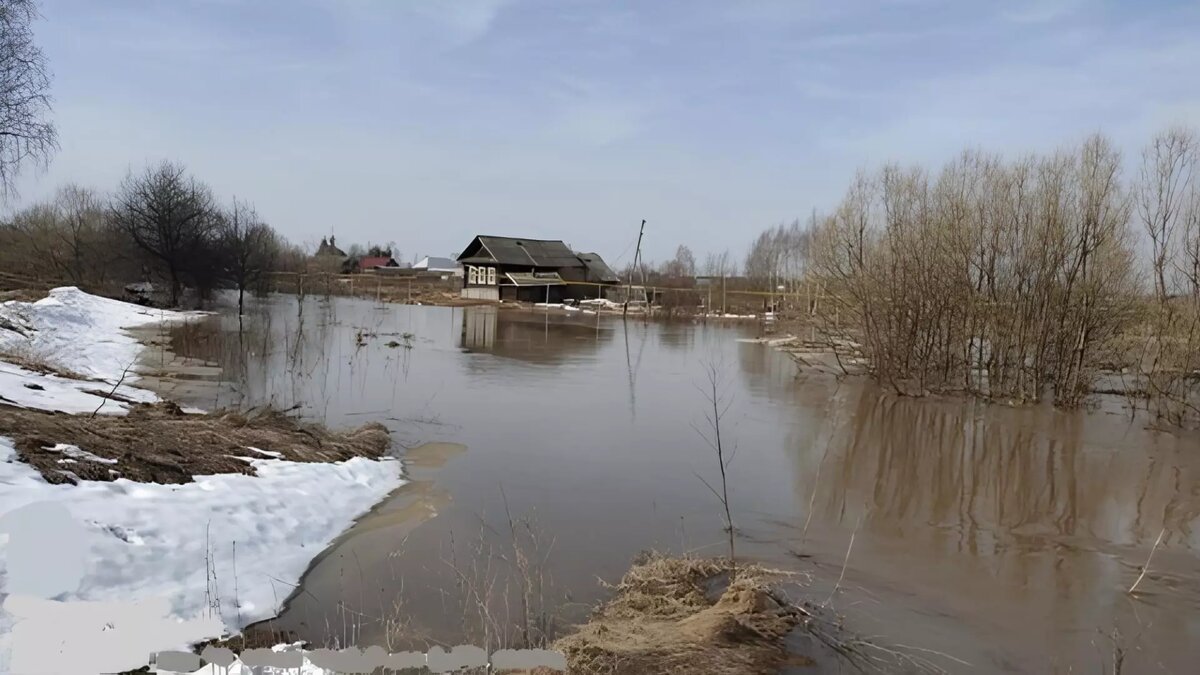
(1003, 538)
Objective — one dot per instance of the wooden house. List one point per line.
(531, 270)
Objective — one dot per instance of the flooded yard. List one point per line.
(1003, 538)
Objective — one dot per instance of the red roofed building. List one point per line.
(370, 262)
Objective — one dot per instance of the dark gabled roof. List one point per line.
(598, 271)
(517, 251)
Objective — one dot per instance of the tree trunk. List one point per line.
(176, 288)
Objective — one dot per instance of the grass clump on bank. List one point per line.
(161, 444)
(684, 615)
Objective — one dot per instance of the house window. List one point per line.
(472, 276)
(491, 276)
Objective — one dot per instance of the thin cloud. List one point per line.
(465, 20)
(1042, 11)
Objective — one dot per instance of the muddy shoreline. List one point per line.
(402, 511)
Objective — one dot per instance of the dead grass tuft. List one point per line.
(160, 444)
(684, 615)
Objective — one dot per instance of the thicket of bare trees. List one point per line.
(160, 224)
(1018, 280)
(994, 278)
(1168, 208)
(779, 256)
(65, 234)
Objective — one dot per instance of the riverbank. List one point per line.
(178, 526)
(1006, 537)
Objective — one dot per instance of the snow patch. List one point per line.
(81, 332)
(601, 303)
(27, 389)
(147, 541)
(76, 454)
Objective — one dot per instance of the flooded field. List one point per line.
(1003, 538)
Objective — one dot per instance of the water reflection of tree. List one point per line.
(677, 337)
(773, 372)
(990, 476)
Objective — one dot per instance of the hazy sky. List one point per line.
(424, 123)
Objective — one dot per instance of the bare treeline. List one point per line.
(780, 256)
(1167, 198)
(1021, 279)
(160, 224)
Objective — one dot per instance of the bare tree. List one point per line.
(249, 248)
(82, 230)
(719, 264)
(171, 216)
(683, 265)
(718, 404)
(26, 133)
(1189, 263)
(1167, 172)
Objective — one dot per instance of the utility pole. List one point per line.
(637, 254)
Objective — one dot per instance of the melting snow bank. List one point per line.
(156, 563)
(80, 332)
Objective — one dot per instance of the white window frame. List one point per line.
(472, 275)
(491, 276)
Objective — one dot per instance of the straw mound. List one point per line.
(664, 618)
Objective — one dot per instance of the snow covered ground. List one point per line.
(80, 332)
(158, 566)
(144, 541)
(28, 389)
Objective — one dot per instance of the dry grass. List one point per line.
(160, 444)
(23, 288)
(664, 618)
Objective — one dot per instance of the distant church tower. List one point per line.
(330, 248)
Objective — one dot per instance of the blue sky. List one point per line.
(424, 123)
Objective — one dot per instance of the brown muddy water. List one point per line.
(1005, 538)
